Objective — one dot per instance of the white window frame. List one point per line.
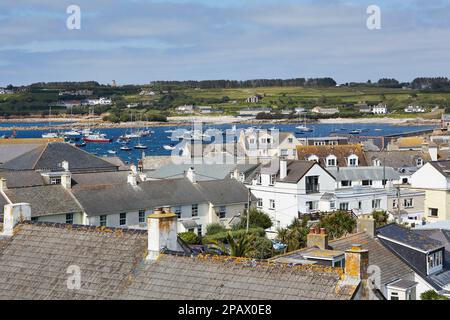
(272, 204)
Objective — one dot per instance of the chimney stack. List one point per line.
(190, 174)
(433, 151)
(367, 224)
(162, 233)
(66, 180)
(283, 168)
(131, 179)
(13, 214)
(3, 184)
(317, 238)
(65, 165)
(356, 262)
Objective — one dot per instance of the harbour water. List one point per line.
(160, 137)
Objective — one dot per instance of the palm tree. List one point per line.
(239, 247)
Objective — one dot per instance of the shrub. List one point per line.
(380, 217)
(432, 295)
(258, 219)
(222, 236)
(214, 228)
(262, 248)
(189, 237)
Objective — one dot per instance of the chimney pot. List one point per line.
(317, 238)
(3, 184)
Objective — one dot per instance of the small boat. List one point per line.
(72, 134)
(80, 144)
(378, 129)
(357, 131)
(303, 128)
(140, 146)
(97, 137)
(125, 148)
(169, 147)
(112, 151)
(50, 135)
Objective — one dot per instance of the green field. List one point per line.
(231, 100)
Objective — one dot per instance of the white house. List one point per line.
(266, 144)
(286, 188)
(414, 109)
(380, 109)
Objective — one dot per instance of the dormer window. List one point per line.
(353, 160)
(313, 158)
(259, 180)
(252, 140)
(434, 262)
(376, 163)
(331, 161)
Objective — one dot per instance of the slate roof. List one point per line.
(222, 278)
(204, 172)
(222, 192)
(13, 150)
(45, 200)
(364, 173)
(442, 166)
(19, 179)
(35, 263)
(398, 158)
(342, 152)
(100, 178)
(408, 237)
(296, 169)
(51, 155)
(107, 199)
(392, 267)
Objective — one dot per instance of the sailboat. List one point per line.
(169, 147)
(140, 146)
(50, 135)
(303, 127)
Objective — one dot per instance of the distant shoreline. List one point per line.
(98, 123)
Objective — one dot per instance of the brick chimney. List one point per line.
(317, 238)
(162, 233)
(366, 223)
(3, 184)
(13, 214)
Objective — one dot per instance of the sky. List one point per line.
(139, 41)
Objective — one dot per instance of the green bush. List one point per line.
(215, 228)
(380, 217)
(258, 219)
(189, 237)
(261, 248)
(432, 295)
(222, 236)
